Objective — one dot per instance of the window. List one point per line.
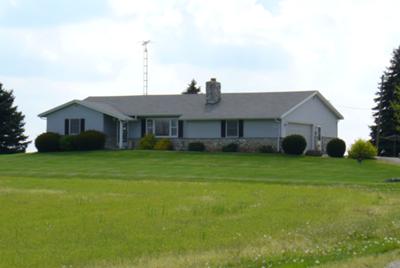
(162, 127)
(149, 126)
(74, 126)
(232, 128)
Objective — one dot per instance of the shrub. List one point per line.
(362, 149)
(314, 153)
(231, 147)
(294, 144)
(336, 148)
(196, 147)
(48, 142)
(68, 143)
(147, 142)
(90, 140)
(163, 144)
(266, 149)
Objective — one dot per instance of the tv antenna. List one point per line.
(145, 67)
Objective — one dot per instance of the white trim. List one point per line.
(89, 106)
(322, 98)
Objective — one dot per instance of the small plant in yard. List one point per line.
(266, 149)
(48, 142)
(164, 145)
(294, 144)
(231, 147)
(336, 148)
(362, 149)
(147, 142)
(196, 146)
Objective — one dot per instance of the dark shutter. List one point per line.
(143, 127)
(180, 129)
(240, 128)
(223, 125)
(66, 127)
(82, 125)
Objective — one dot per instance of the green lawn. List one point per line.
(174, 209)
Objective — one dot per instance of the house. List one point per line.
(214, 118)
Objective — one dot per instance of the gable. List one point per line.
(314, 111)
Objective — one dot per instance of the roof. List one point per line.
(96, 106)
(265, 105)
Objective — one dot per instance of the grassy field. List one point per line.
(174, 209)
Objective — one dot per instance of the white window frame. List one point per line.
(153, 127)
(70, 126)
(237, 129)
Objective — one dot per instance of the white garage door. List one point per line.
(301, 129)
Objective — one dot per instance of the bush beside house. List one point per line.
(294, 144)
(48, 142)
(68, 143)
(85, 141)
(336, 148)
(164, 145)
(147, 142)
(90, 140)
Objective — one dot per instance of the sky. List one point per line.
(54, 51)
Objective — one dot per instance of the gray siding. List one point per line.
(304, 130)
(93, 120)
(260, 129)
(202, 129)
(314, 112)
(212, 129)
(110, 126)
(134, 129)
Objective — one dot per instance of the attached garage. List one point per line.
(304, 130)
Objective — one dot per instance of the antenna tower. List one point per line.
(145, 67)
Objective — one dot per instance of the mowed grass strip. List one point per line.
(139, 165)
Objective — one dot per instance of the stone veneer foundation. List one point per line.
(216, 144)
(213, 145)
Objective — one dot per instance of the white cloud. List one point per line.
(339, 47)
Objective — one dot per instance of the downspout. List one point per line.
(278, 145)
(121, 130)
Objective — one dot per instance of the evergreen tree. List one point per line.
(192, 88)
(12, 138)
(387, 109)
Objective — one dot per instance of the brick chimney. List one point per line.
(213, 91)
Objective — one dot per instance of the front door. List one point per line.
(124, 127)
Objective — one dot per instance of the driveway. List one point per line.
(394, 160)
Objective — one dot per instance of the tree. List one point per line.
(192, 88)
(12, 138)
(387, 108)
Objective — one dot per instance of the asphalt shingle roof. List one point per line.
(232, 105)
